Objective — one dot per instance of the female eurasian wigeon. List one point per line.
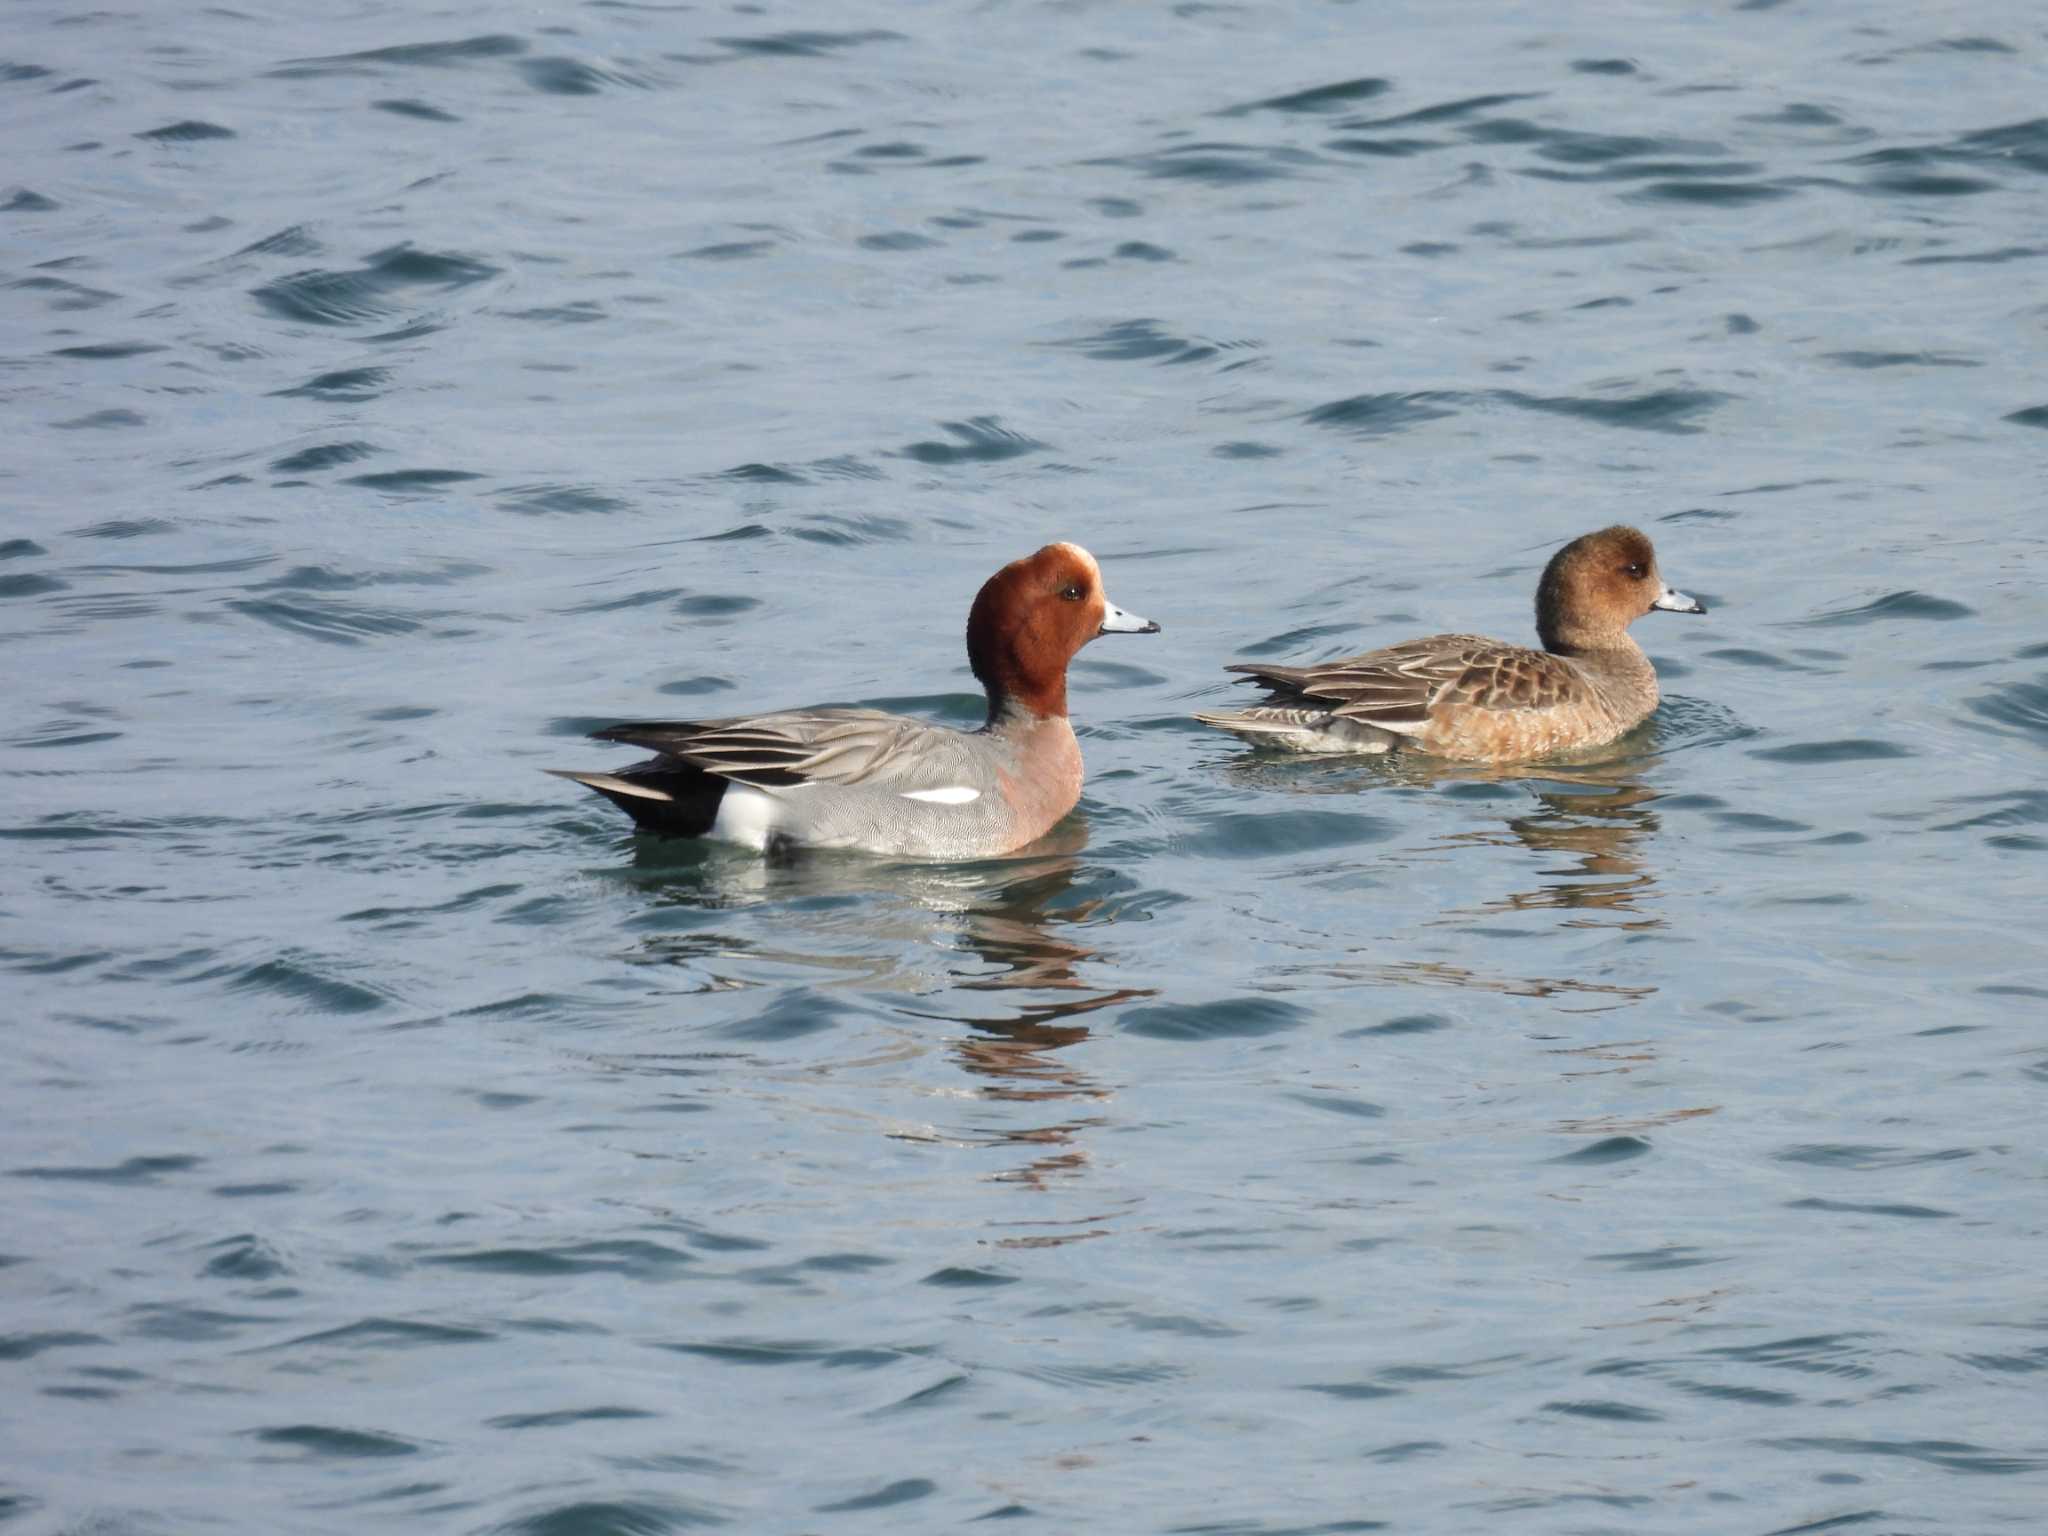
(859, 778)
(1464, 696)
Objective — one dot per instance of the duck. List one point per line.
(1470, 698)
(879, 783)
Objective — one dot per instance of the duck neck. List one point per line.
(1017, 693)
(1606, 659)
(1012, 713)
(1579, 643)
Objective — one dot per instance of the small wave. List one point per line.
(905, 1490)
(330, 622)
(1224, 1019)
(326, 1440)
(1894, 605)
(983, 440)
(559, 76)
(301, 983)
(1844, 750)
(609, 1517)
(413, 479)
(1445, 111)
(846, 532)
(1218, 164)
(30, 584)
(1611, 1149)
(367, 292)
(1378, 415)
(634, 1259)
(1661, 410)
(191, 131)
(101, 421)
(1863, 359)
(134, 1170)
(799, 1011)
(109, 350)
(419, 110)
(898, 240)
(468, 50)
(575, 500)
(323, 456)
(65, 296)
(2019, 708)
(580, 312)
(292, 240)
(804, 44)
(1718, 194)
(762, 474)
(1317, 99)
(560, 1417)
(342, 385)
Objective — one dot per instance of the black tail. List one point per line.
(662, 795)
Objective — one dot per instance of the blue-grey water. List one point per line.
(390, 394)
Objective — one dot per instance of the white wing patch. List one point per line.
(952, 794)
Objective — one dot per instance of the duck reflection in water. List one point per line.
(1596, 811)
(942, 938)
(1041, 1003)
(1600, 820)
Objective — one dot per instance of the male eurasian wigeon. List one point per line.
(1465, 696)
(859, 778)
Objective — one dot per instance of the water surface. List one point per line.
(1641, 1144)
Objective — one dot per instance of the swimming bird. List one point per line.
(1465, 696)
(834, 777)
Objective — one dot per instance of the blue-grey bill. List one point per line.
(1116, 622)
(1672, 601)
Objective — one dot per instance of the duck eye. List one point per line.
(1071, 592)
(1636, 569)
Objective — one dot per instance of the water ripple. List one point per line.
(189, 131)
(805, 44)
(1661, 410)
(367, 293)
(374, 61)
(982, 440)
(1333, 1115)
(326, 1440)
(2020, 708)
(326, 620)
(1894, 605)
(1317, 99)
(1949, 1455)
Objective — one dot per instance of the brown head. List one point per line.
(1030, 618)
(1598, 585)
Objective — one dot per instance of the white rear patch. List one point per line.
(745, 816)
(952, 794)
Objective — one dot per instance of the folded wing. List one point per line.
(1398, 689)
(812, 746)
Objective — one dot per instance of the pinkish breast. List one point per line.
(1047, 781)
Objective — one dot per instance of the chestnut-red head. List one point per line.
(1030, 618)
